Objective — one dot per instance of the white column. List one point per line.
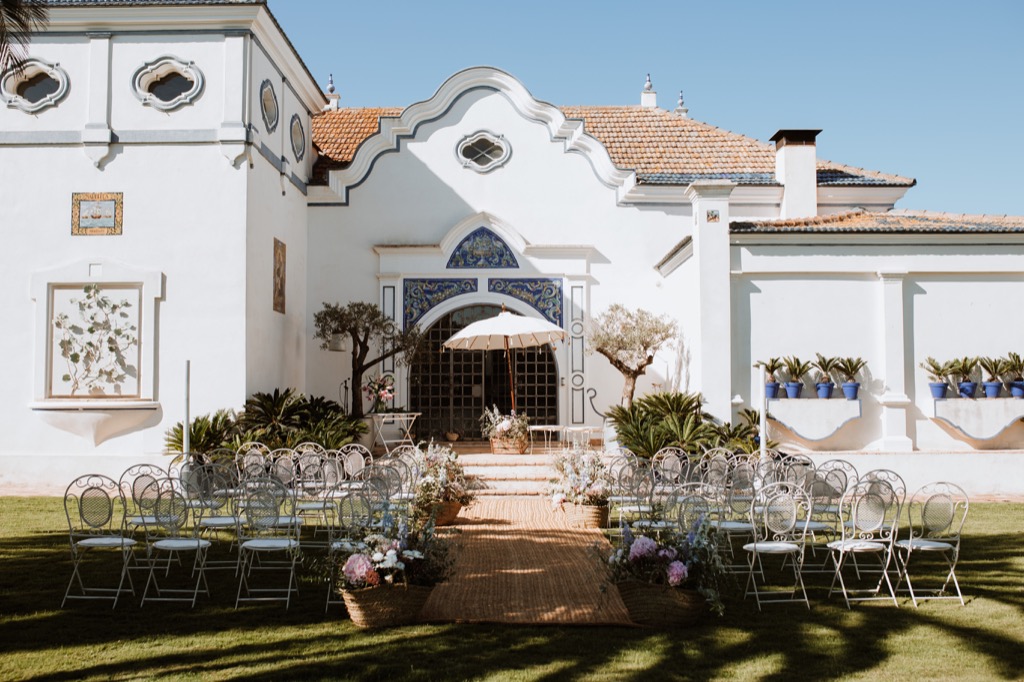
(96, 134)
(236, 92)
(894, 399)
(713, 367)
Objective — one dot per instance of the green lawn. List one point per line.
(941, 640)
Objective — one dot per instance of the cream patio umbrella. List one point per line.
(506, 330)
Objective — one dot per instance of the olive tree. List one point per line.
(372, 335)
(629, 339)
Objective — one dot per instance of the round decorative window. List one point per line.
(35, 87)
(167, 83)
(268, 105)
(483, 151)
(298, 137)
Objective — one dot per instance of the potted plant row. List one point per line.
(827, 369)
(961, 372)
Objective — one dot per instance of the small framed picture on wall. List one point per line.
(96, 213)
(279, 275)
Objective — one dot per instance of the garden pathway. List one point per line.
(520, 562)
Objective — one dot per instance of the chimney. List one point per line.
(332, 96)
(649, 98)
(796, 169)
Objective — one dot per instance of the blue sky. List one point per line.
(930, 89)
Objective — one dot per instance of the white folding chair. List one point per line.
(869, 522)
(168, 533)
(778, 516)
(267, 525)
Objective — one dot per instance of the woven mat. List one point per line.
(521, 562)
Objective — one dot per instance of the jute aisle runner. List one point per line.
(520, 562)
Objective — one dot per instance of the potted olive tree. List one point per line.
(848, 369)
(795, 370)
(993, 368)
(938, 373)
(771, 384)
(826, 367)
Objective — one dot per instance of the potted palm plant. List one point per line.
(962, 370)
(848, 369)
(1013, 367)
(938, 373)
(771, 384)
(795, 370)
(993, 368)
(826, 367)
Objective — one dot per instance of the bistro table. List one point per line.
(404, 422)
(550, 432)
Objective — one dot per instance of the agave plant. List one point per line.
(849, 368)
(963, 368)
(796, 368)
(826, 367)
(992, 367)
(771, 366)
(1013, 366)
(937, 371)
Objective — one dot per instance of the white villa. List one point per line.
(179, 155)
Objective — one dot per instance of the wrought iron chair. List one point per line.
(95, 508)
(869, 514)
(169, 533)
(779, 516)
(350, 514)
(936, 513)
(267, 525)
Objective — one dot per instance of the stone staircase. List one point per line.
(528, 474)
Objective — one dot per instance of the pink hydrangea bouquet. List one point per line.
(380, 391)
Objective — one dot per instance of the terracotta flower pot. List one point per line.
(446, 513)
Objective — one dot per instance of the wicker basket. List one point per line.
(446, 513)
(661, 606)
(509, 446)
(385, 606)
(589, 516)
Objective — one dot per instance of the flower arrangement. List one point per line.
(380, 390)
(394, 556)
(442, 479)
(582, 479)
(673, 560)
(494, 424)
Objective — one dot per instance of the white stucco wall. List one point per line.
(545, 195)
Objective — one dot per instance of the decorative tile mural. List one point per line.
(481, 248)
(544, 295)
(420, 295)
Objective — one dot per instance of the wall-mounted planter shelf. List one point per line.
(813, 418)
(980, 419)
(95, 420)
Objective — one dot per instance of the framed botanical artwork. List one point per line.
(96, 213)
(279, 275)
(94, 341)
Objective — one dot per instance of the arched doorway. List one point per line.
(451, 388)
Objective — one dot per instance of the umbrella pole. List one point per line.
(511, 381)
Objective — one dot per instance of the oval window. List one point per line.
(169, 87)
(38, 87)
(483, 151)
(268, 105)
(298, 138)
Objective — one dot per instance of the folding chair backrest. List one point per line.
(938, 511)
(94, 505)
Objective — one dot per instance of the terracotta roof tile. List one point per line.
(661, 147)
(900, 221)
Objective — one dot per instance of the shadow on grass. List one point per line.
(91, 640)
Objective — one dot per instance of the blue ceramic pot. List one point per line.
(771, 390)
(992, 388)
(825, 389)
(967, 388)
(793, 389)
(850, 389)
(938, 388)
(1017, 389)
